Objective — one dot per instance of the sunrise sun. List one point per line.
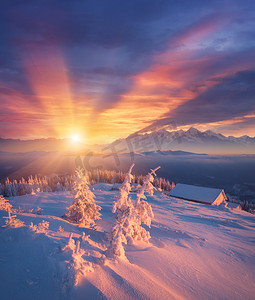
(75, 138)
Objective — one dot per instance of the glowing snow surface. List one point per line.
(196, 252)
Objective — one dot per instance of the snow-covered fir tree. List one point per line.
(117, 240)
(123, 206)
(83, 211)
(129, 216)
(142, 207)
(54, 183)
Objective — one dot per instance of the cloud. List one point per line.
(231, 97)
(142, 57)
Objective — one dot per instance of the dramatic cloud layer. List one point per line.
(105, 69)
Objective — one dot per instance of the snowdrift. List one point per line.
(196, 251)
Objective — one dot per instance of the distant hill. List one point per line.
(170, 152)
(48, 145)
(17, 145)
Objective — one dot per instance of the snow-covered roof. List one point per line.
(196, 193)
(233, 205)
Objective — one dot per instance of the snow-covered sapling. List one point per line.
(42, 227)
(84, 237)
(12, 222)
(60, 229)
(39, 211)
(79, 267)
(32, 227)
(5, 204)
(71, 244)
(83, 211)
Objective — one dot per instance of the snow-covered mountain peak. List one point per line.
(193, 131)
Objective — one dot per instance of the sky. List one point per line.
(102, 70)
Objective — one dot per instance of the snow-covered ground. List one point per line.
(196, 252)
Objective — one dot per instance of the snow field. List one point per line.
(196, 251)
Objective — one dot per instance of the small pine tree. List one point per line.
(4, 204)
(83, 211)
(40, 228)
(12, 222)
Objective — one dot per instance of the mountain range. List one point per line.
(143, 141)
(191, 140)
